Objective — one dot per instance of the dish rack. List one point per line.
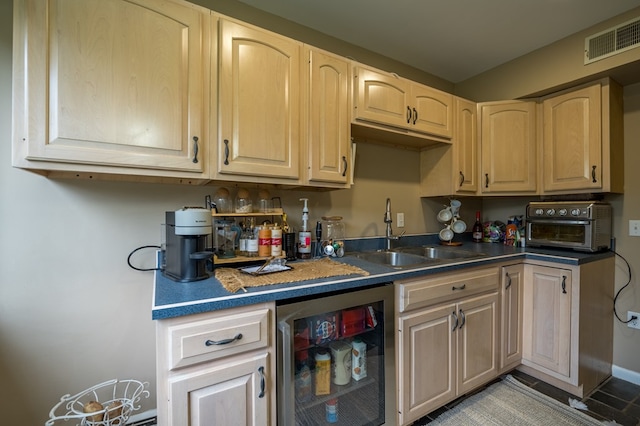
(119, 398)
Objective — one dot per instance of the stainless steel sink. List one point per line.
(441, 253)
(394, 259)
(412, 257)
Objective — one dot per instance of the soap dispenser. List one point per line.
(304, 236)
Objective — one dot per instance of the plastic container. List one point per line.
(341, 354)
(276, 241)
(264, 241)
(323, 373)
(331, 410)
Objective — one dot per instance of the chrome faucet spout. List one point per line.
(387, 214)
(389, 221)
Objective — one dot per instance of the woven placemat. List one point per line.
(233, 280)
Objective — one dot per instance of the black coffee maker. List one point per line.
(186, 254)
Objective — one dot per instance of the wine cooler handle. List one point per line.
(287, 375)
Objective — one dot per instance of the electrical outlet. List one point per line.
(400, 220)
(636, 322)
(634, 228)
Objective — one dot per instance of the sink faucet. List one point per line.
(388, 221)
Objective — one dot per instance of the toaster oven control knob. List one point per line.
(539, 212)
(551, 212)
(575, 212)
(562, 212)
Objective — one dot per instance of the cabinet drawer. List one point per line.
(421, 292)
(214, 338)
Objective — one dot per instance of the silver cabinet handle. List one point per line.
(345, 164)
(408, 115)
(461, 179)
(462, 287)
(415, 115)
(223, 342)
(455, 324)
(593, 174)
(508, 282)
(564, 284)
(486, 180)
(464, 319)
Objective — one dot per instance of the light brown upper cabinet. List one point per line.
(118, 87)
(385, 101)
(327, 101)
(259, 104)
(583, 142)
(509, 147)
(453, 169)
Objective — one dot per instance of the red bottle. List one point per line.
(477, 229)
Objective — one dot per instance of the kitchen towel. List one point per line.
(233, 280)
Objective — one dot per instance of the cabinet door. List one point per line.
(426, 367)
(259, 103)
(465, 147)
(508, 140)
(329, 136)
(233, 394)
(118, 83)
(511, 318)
(381, 98)
(572, 140)
(431, 111)
(477, 341)
(547, 319)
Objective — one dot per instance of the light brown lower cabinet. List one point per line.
(511, 316)
(217, 368)
(449, 347)
(568, 324)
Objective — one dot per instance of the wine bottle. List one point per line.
(477, 229)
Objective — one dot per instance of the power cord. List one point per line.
(141, 269)
(633, 318)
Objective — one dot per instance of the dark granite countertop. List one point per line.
(174, 299)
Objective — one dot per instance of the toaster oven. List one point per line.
(578, 225)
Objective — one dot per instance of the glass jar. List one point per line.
(243, 201)
(222, 201)
(333, 235)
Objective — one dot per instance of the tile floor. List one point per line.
(614, 399)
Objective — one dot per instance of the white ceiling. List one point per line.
(452, 39)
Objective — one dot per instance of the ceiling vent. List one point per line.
(612, 41)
